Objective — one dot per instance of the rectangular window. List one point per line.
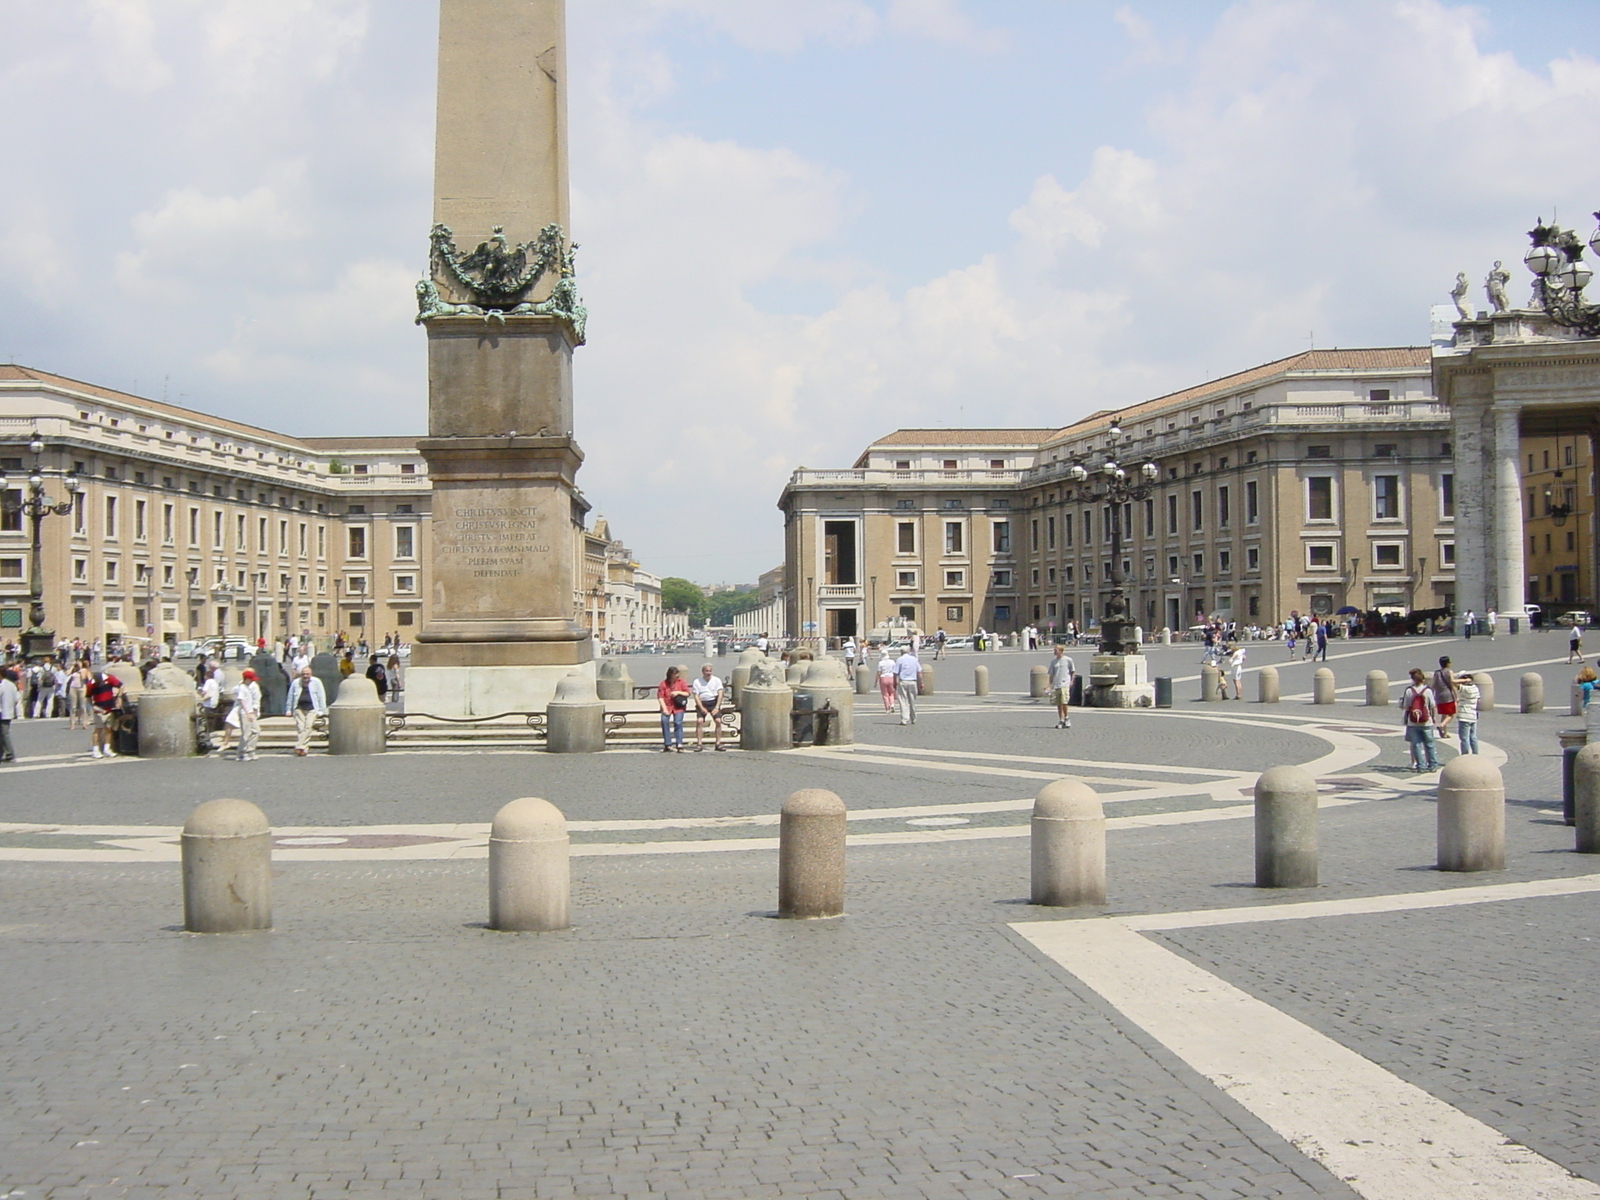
(1049, 533)
(303, 532)
(80, 570)
(1386, 450)
(955, 579)
(1172, 564)
(1319, 498)
(1199, 564)
(1172, 514)
(111, 570)
(953, 540)
(1319, 451)
(111, 517)
(261, 534)
(1252, 559)
(1224, 561)
(1050, 576)
(405, 537)
(1223, 513)
(1001, 579)
(140, 515)
(11, 511)
(322, 541)
(906, 580)
(1447, 496)
(1319, 556)
(1066, 529)
(216, 532)
(358, 542)
(1447, 554)
(1197, 512)
(905, 537)
(405, 583)
(1386, 497)
(167, 517)
(167, 578)
(1386, 554)
(283, 537)
(903, 504)
(1149, 518)
(1002, 537)
(954, 612)
(1252, 503)
(1002, 612)
(10, 568)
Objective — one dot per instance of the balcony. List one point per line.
(839, 591)
(802, 476)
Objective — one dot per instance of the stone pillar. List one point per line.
(1507, 549)
(1267, 690)
(1322, 686)
(575, 720)
(866, 680)
(1210, 683)
(227, 868)
(1471, 815)
(1038, 683)
(740, 675)
(1286, 828)
(1586, 799)
(497, 632)
(1473, 491)
(764, 708)
(1377, 689)
(980, 681)
(1068, 846)
(1572, 743)
(612, 681)
(927, 679)
(811, 839)
(356, 719)
(1485, 682)
(1532, 692)
(1166, 636)
(530, 884)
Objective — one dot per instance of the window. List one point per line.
(405, 618)
(1002, 537)
(140, 516)
(902, 464)
(405, 541)
(408, 468)
(997, 464)
(1386, 554)
(166, 524)
(11, 519)
(113, 612)
(261, 535)
(1001, 579)
(1378, 396)
(303, 530)
(283, 537)
(1447, 497)
(1224, 562)
(358, 542)
(1385, 450)
(905, 537)
(322, 541)
(1447, 554)
(906, 580)
(111, 570)
(902, 504)
(953, 540)
(1149, 518)
(111, 517)
(1000, 504)
(1223, 513)
(357, 585)
(949, 464)
(1199, 564)
(955, 579)
(80, 570)
(1049, 533)
(80, 522)
(1319, 498)
(1197, 513)
(216, 531)
(1050, 576)
(1319, 555)
(1252, 558)
(1172, 514)
(1252, 503)
(1319, 451)
(952, 504)
(1002, 612)
(168, 579)
(954, 612)
(10, 568)
(1172, 564)
(1386, 497)
(405, 583)
(1036, 577)
(1066, 573)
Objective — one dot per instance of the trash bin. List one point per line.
(1163, 691)
(802, 727)
(1515, 623)
(125, 737)
(1076, 695)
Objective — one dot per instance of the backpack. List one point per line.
(1416, 707)
(47, 678)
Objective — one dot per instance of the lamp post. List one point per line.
(1560, 275)
(1116, 486)
(37, 641)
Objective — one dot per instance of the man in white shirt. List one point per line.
(1061, 674)
(908, 677)
(707, 694)
(761, 643)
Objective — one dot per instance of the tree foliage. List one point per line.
(679, 595)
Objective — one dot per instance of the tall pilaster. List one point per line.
(502, 316)
(1473, 492)
(1507, 551)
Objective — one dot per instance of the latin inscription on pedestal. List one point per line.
(483, 537)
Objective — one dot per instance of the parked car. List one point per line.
(964, 642)
(1576, 617)
(186, 649)
(226, 647)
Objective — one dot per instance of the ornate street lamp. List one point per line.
(37, 641)
(1560, 275)
(1111, 484)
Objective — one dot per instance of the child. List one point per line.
(1467, 714)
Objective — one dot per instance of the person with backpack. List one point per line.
(1420, 716)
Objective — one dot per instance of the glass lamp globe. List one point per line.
(1575, 275)
(1542, 260)
(1594, 241)
(1076, 473)
(35, 480)
(1110, 467)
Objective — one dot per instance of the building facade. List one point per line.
(1313, 483)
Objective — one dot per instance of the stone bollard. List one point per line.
(827, 683)
(1532, 692)
(227, 868)
(356, 719)
(1586, 799)
(1210, 683)
(1377, 689)
(1322, 688)
(764, 708)
(795, 672)
(980, 681)
(1485, 682)
(1267, 691)
(1286, 828)
(530, 878)
(1068, 846)
(1575, 701)
(1471, 814)
(612, 681)
(575, 720)
(1572, 742)
(740, 675)
(325, 667)
(811, 855)
(866, 679)
(926, 689)
(166, 714)
(1166, 637)
(1038, 683)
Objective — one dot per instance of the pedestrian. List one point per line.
(105, 700)
(396, 683)
(850, 651)
(1492, 618)
(1288, 638)
(1444, 695)
(939, 639)
(308, 700)
(1470, 622)
(211, 702)
(247, 706)
(1586, 684)
(707, 694)
(77, 700)
(1467, 713)
(1575, 644)
(886, 678)
(347, 664)
(1235, 672)
(380, 680)
(10, 705)
(1420, 716)
(1322, 641)
(1062, 671)
(673, 697)
(908, 682)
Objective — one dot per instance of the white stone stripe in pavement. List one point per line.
(1386, 1138)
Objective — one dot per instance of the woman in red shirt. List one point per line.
(673, 695)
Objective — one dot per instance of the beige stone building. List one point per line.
(1558, 483)
(1312, 483)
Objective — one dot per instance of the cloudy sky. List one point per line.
(804, 222)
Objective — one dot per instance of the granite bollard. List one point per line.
(740, 675)
(1586, 799)
(1038, 683)
(1267, 687)
(530, 877)
(167, 709)
(1572, 741)
(811, 836)
(612, 681)
(980, 681)
(1532, 689)
(1286, 828)
(866, 679)
(1471, 815)
(227, 868)
(1322, 686)
(1210, 683)
(764, 707)
(926, 688)
(1485, 682)
(1067, 845)
(356, 719)
(1377, 689)
(575, 719)
(1575, 700)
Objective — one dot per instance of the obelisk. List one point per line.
(502, 315)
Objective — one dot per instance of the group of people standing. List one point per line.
(1430, 705)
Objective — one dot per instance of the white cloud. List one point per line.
(122, 33)
(254, 47)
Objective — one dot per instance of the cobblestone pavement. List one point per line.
(678, 1041)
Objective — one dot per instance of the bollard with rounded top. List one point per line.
(1471, 814)
(1532, 692)
(1485, 682)
(1572, 742)
(811, 855)
(1377, 689)
(324, 666)
(1322, 688)
(927, 680)
(530, 880)
(612, 681)
(1038, 683)
(1166, 637)
(980, 681)
(1286, 828)
(764, 708)
(1068, 846)
(1210, 683)
(866, 679)
(575, 720)
(1575, 700)
(356, 719)
(1267, 690)
(227, 868)
(740, 675)
(1586, 799)
(166, 714)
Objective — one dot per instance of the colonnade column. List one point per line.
(1507, 549)
(1473, 507)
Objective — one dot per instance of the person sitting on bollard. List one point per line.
(105, 701)
(707, 693)
(308, 700)
(886, 679)
(1420, 716)
(1235, 672)
(673, 697)
(1444, 694)
(1467, 713)
(1062, 671)
(1586, 683)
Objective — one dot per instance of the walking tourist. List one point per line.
(707, 694)
(1420, 717)
(1062, 672)
(77, 699)
(1235, 672)
(308, 700)
(1322, 641)
(850, 651)
(247, 706)
(1444, 695)
(105, 699)
(673, 696)
(886, 679)
(1575, 645)
(1493, 619)
(1467, 713)
(380, 679)
(10, 704)
(908, 681)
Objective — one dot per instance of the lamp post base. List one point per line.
(38, 643)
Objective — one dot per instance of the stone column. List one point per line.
(1506, 551)
(1473, 494)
